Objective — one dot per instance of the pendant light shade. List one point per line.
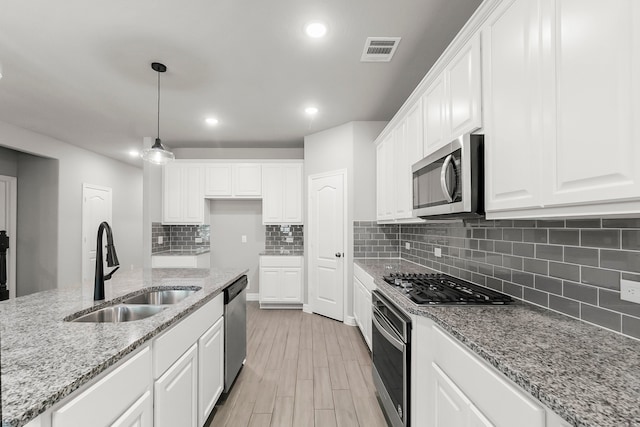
(157, 154)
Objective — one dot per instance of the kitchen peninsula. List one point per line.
(46, 358)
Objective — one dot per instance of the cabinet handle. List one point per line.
(338, 254)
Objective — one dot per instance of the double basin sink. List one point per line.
(136, 307)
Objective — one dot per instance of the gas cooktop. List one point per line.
(442, 289)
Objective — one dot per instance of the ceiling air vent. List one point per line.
(379, 49)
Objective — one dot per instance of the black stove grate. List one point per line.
(438, 288)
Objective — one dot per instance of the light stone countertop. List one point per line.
(587, 375)
(190, 252)
(279, 252)
(44, 358)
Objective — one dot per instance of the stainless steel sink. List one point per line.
(120, 313)
(160, 297)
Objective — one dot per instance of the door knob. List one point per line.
(338, 254)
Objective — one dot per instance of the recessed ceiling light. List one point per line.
(211, 121)
(315, 29)
(311, 110)
(134, 153)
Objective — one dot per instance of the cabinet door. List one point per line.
(140, 414)
(176, 393)
(357, 303)
(594, 154)
(172, 193)
(291, 285)
(434, 113)
(217, 180)
(381, 178)
(193, 196)
(463, 90)
(451, 405)
(292, 188)
(247, 180)
(272, 195)
(269, 284)
(476, 419)
(513, 105)
(210, 369)
(366, 315)
(401, 208)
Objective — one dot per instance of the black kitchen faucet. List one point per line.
(112, 261)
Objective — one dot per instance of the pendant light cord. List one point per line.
(158, 105)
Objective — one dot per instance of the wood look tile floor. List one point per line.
(301, 370)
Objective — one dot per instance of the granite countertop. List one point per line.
(279, 252)
(186, 252)
(44, 358)
(587, 375)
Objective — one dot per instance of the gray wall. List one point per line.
(78, 166)
(349, 146)
(238, 153)
(230, 220)
(8, 162)
(37, 239)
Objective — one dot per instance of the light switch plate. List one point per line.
(407, 245)
(437, 252)
(244, 239)
(198, 239)
(160, 240)
(630, 290)
(289, 240)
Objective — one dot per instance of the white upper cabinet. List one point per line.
(385, 178)
(562, 106)
(233, 180)
(463, 83)
(183, 195)
(452, 102)
(434, 109)
(282, 193)
(513, 105)
(595, 151)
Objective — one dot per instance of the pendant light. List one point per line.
(157, 154)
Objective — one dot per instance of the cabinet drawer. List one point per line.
(281, 261)
(110, 397)
(503, 403)
(168, 347)
(364, 278)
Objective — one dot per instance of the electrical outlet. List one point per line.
(630, 290)
(289, 240)
(198, 239)
(407, 246)
(244, 239)
(160, 240)
(437, 252)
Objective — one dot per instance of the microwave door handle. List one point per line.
(443, 178)
(386, 334)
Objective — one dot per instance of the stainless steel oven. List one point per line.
(391, 335)
(449, 183)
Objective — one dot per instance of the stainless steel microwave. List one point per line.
(449, 183)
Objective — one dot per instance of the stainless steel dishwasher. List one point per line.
(235, 330)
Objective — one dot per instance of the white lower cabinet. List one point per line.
(175, 380)
(451, 387)
(176, 393)
(363, 286)
(281, 281)
(115, 398)
(210, 369)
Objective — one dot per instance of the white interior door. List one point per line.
(96, 207)
(327, 224)
(8, 222)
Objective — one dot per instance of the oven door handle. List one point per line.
(385, 333)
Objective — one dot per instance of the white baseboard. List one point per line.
(307, 308)
(350, 320)
(253, 297)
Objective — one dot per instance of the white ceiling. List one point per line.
(79, 70)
